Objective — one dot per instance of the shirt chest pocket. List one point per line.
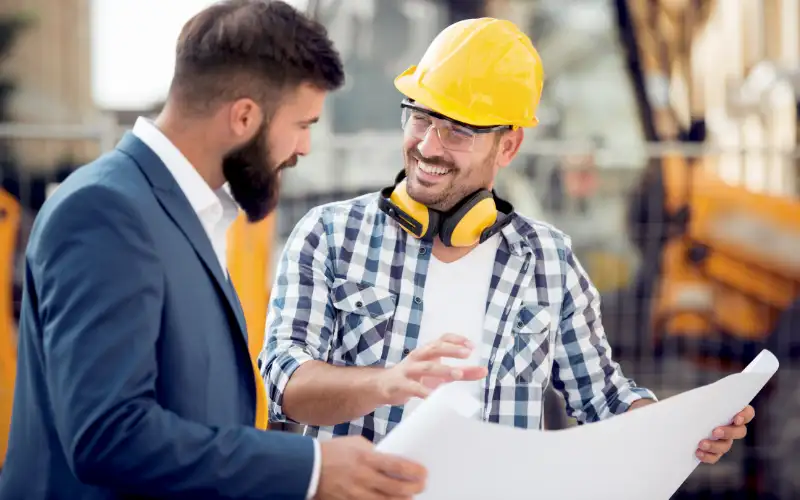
(364, 315)
(531, 333)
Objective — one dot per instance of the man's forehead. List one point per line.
(306, 100)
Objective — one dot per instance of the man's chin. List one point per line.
(256, 211)
(257, 215)
(431, 198)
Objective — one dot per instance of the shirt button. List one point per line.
(422, 250)
(520, 324)
(417, 300)
(406, 351)
(359, 304)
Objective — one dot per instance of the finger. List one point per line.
(730, 432)
(708, 458)
(434, 370)
(441, 350)
(745, 416)
(456, 339)
(392, 487)
(432, 382)
(474, 372)
(414, 389)
(718, 447)
(398, 468)
(362, 491)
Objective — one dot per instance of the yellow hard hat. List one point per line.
(481, 72)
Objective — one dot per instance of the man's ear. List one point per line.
(245, 117)
(509, 145)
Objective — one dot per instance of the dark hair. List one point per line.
(251, 48)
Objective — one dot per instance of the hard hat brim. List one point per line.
(409, 84)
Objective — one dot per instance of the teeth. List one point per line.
(430, 169)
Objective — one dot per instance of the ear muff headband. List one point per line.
(471, 221)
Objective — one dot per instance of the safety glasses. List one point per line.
(453, 135)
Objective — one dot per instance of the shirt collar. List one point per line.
(517, 235)
(197, 191)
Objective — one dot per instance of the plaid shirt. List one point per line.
(349, 292)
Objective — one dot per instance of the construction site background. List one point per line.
(632, 87)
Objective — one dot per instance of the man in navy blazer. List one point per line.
(134, 377)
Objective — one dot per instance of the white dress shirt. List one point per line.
(216, 210)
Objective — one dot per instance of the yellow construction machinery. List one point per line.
(250, 253)
(249, 263)
(718, 280)
(9, 223)
(725, 260)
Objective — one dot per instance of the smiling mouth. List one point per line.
(433, 169)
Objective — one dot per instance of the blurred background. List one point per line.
(668, 150)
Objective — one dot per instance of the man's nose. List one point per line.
(303, 146)
(431, 144)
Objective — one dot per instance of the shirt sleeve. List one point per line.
(584, 372)
(300, 321)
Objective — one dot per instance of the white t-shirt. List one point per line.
(455, 302)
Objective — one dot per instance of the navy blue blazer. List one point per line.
(134, 377)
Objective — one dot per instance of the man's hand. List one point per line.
(639, 403)
(422, 371)
(711, 450)
(351, 470)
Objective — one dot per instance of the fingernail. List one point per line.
(457, 374)
(704, 446)
(699, 455)
(739, 421)
(465, 352)
(718, 433)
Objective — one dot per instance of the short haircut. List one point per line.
(254, 49)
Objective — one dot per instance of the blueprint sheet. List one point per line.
(646, 453)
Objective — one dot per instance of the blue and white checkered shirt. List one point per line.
(349, 291)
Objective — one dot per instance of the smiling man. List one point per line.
(436, 279)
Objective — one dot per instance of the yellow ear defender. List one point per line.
(473, 220)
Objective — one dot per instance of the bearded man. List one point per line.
(134, 377)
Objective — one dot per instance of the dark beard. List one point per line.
(253, 180)
(445, 200)
(458, 190)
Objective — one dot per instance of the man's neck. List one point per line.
(449, 254)
(192, 141)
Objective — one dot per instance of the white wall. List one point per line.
(133, 49)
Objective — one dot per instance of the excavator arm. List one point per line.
(726, 258)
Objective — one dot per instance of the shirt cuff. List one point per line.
(312, 485)
(282, 369)
(633, 395)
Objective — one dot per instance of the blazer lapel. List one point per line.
(177, 206)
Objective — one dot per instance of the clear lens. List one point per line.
(453, 137)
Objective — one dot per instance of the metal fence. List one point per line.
(615, 219)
